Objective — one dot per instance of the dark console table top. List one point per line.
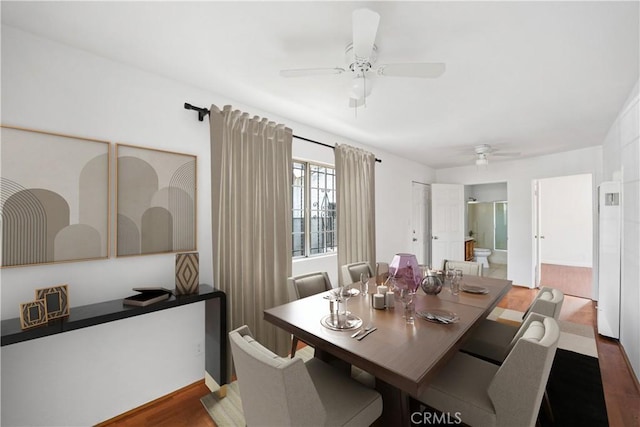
(99, 313)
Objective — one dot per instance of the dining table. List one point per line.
(403, 357)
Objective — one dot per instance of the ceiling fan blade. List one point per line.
(505, 154)
(304, 72)
(365, 27)
(427, 70)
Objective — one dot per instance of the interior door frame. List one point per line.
(425, 219)
(535, 223)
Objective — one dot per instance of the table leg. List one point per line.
(396, 405)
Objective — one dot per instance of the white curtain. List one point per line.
(251, 170)
(356, 215)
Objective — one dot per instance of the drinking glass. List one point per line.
(408, 305)
(448, 277)
(455, 282)
(364, 284)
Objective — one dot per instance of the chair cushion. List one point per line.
(546, 295)
(461, 387)
(341, 395)
(491, 340)
(534, 332)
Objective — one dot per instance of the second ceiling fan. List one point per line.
(361, 55)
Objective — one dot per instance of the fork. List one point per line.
(366, 329)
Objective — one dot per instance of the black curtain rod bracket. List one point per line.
(202, 112)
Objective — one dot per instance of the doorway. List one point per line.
(421, 222)
(563, 234)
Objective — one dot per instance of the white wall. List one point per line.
(51, 87)
(622, 162)
(493, 192)
(566, 219)
(519, 174)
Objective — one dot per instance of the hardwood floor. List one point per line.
(576, 281)
(622, 393)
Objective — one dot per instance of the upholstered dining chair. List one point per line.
(382, 269)
(485, 394)
(548, 301)
(469, 268)
(491, 340)
(303, 286)
(278, 391)
(351, 272)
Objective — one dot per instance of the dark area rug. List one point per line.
(575, 395)
(575, 392)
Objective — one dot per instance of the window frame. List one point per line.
(307, 209)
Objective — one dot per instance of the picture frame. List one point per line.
(56, 300)
(33, 314)
(156, 201)
(55, 197)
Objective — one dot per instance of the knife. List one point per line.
(366, 333)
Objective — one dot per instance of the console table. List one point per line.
(109, 311)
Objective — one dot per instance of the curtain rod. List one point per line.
(202, 112)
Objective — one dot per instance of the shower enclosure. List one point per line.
(487, 223)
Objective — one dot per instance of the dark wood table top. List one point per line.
(405, 356)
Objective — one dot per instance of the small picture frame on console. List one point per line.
(33, 314)
(56, 301)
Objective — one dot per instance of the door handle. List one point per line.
(542, 237)
(414, 239)
(435, 237)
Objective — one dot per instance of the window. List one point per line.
(314, 209)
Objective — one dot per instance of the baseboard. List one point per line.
(148, 404)
(628, 362)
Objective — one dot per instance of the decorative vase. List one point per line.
(432, 282)
(187, 277)
(406, 272)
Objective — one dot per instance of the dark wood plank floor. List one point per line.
(622, 395)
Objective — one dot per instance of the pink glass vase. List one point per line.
(404, 268)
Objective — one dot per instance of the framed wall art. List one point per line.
(56, 301)
(33, 314)
(155, 202)
(54, 197)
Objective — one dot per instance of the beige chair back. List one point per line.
(468, 268)
(518, 386)
(275, 391)
(351, 272)
(308, 284)
(547, 302)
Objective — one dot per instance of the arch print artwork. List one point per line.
(156, 201)
(54, 197)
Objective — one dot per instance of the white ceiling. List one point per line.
(528, 77)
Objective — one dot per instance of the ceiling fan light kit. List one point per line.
(361, 55)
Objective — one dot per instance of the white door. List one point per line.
(565, 234)
(420, 222)
(447, 223)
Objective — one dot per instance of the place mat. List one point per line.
(438, 316)
(474, 289)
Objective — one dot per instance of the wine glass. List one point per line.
(364, 283)
(345, 293)
(449, 275)
(406, 296)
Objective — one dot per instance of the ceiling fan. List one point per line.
(361, 55)
(483, 151)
